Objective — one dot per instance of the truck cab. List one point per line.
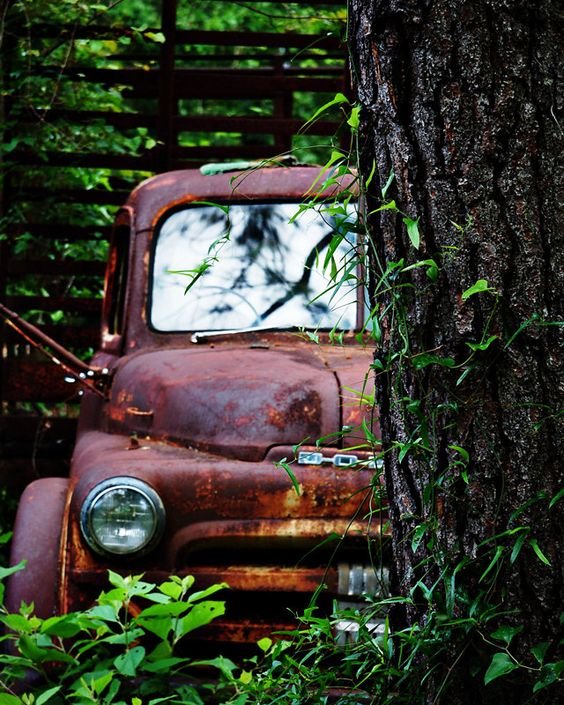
(222, 430)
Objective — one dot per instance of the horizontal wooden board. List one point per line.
(61, 231)
(73, 337)
(26, 380)
(65, 267)
(55, 303)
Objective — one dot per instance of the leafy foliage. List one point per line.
(124, 647)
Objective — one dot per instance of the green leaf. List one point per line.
(494, 560)
(40, 654)
(548, 677)
(477, 288)
(418, 535)
(107, 613)
(5, 572)
(264, 644)
(201, 614)
(246, 677)
(465, 455)
(517, 546)
(98, 680)
(506, 633)
(354, 118)
(286, 466)
(537, 549)
(500, 665)
(211, 590)
(171, 609)
(539, 651)
(157, 37)
(413, 231)
(128, 663)
(557, 497)
(224, 665)
(65, 626)
(432, 269)
(172, 589)
(387, 185)
(420, 361)
(8, 699)
(17, 623)
(163, 664)
(464, 374)
(124, 638)
(389, 206)
(339, 99)
(484, 345)
(370, 175)
(432, 272)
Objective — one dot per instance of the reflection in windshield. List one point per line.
(251, 265)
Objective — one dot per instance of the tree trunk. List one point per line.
(460, 103)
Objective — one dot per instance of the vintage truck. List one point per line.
(220, 431)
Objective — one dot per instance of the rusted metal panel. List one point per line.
(247, 408)
(36, 540)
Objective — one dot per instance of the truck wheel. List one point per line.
(36, 539)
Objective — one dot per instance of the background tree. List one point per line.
(460, 103)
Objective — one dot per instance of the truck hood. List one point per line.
(239, 402)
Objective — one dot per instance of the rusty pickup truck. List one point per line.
(220, 431)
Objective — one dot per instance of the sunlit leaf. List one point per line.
(201, 614)
(413, 231)
(484, 345)
(339, 99)
(354, 118)
(480, 286)
(387, 185)
(128, 663)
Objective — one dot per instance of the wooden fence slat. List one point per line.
(57, 267)
(55, 303)
(92, 196)
(60, 231)
(252, 125)
(201, 123)
(144, 162)
(75, 337)
(27, 380)
(208, 83)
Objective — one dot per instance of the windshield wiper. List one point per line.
(202, 336)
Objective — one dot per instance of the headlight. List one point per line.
(122, 516)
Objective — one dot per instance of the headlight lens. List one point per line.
(122, 516)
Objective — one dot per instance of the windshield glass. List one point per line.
(255, 265)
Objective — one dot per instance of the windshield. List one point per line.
(255, 265)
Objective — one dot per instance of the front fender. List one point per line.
(37, 539)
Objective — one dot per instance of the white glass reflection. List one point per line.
(252, 265)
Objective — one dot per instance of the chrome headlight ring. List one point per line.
(122, 517)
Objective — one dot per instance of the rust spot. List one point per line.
(275, 417)
(124, 397)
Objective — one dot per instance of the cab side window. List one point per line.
(116, 286)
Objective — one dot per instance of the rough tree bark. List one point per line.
(460, 101)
